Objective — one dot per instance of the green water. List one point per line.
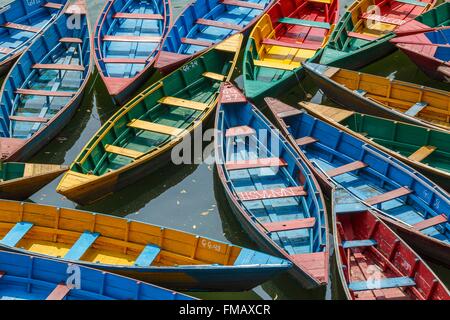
(189, 197)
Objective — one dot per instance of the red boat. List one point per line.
(429, 50)
(374, 263)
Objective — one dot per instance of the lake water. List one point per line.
(189, 197)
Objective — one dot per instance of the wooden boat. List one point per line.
(45, 87)
(273, 195)
(434, 18)
(430, 51)
(18, 181)
(204, 23)
(22, 21)
(23, 277)
(162, 256)
(127, 37)
(384, 97)
(291, 32)
(362, 34)
(425, 150)
(415, 207)
(374, 263)
(138, 139)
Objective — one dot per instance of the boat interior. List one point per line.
(206, 22)
(368, 20)
(289, 34)
(50, 74)
(127, 32)
(24, 23)
(376, 264)
(372, 176)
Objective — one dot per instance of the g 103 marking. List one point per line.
(189, 66)
(211, 245)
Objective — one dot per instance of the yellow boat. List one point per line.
(380, 96)
(151, 253)
(18, 181)
(138, 139)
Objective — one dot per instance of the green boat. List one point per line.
(426, 150)
(436, 17)
(139, 138)
(362, 34)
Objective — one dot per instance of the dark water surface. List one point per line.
(189, 197)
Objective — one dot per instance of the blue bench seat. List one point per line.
(16, 234)
(147, 256)
(82, 245)
(382, 284)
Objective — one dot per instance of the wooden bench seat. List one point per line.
(125, 60)
(53, 5)
(274, 65)
(431, 222)
(155, 127)
(59, 293)
(218, 24)
(139, 16)
(359, 243)
(66, 67)
(272, 194)
(82, 245)
(148, 39)
(422, 153)
(415, 109)
(361, 36)
(382, 284)
(214, 76)
(388, 196)
(71, 40)
(45, 93)
(295, 45)
(255, 163)
(357, 165)
(196, 42)
(305, 141)
(21, 27)
(13, 237)
(305, 23)
(378, 18)
(240, 131)
(123, 151)
(6, 50)
(147, 256)
(28, 119)
(243, 4)
(290, 225)
(189, 104)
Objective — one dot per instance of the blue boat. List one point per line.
(127, 38)
(204, 23)
(23, 277)
(45, 87)
(21, 22)
(409, 202)
(271, 191)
